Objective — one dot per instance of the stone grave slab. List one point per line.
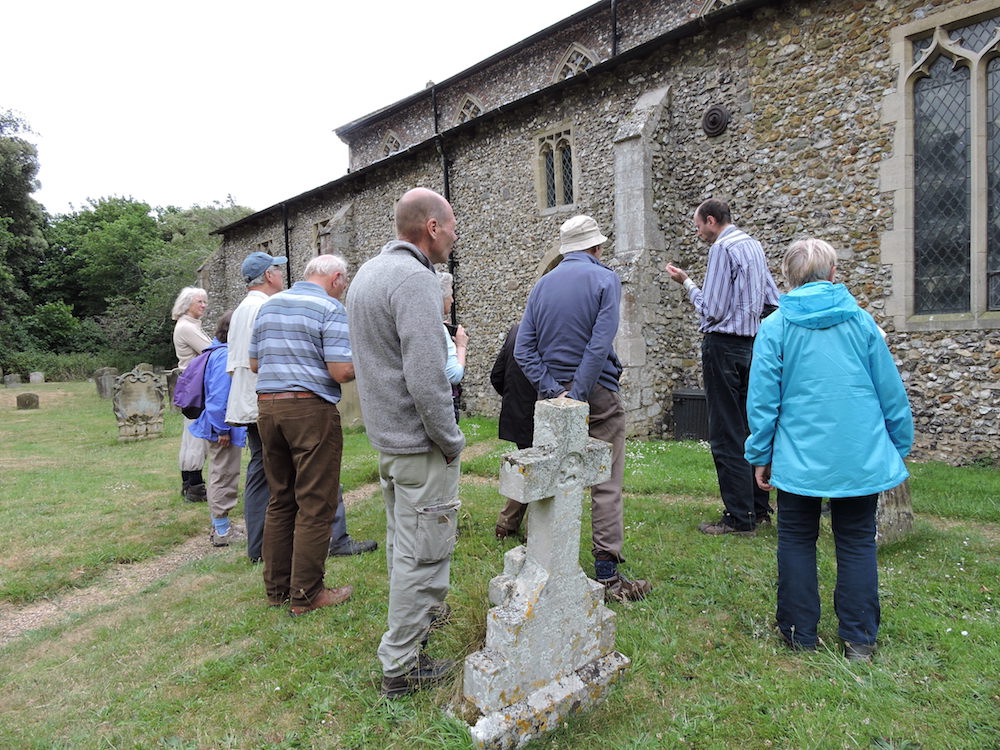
(104, 379)
(549, 638)
(27, 400)
(36, 377)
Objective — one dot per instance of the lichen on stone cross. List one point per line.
(549, 638)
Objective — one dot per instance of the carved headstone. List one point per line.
(36, 377)
(10, 381)
(894, 517)
(549, 638)
(104, 379)
(138, 404)
(27, 400)
(143, 367)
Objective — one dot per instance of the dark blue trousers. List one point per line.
(855, 598)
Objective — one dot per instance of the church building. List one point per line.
(871, 124)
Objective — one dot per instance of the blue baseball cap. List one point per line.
(257, 263)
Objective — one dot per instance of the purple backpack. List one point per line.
(189, 392)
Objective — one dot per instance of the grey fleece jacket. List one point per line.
(394, 319)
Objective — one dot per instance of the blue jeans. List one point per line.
(855, 598)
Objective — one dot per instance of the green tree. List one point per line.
(143, 319)
(22, 219)
(97, 253)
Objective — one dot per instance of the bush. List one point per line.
(63, 367)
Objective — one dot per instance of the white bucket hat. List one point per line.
(579, 233)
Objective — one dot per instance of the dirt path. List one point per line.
(124, 581)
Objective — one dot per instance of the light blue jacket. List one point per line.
(826, 406)
(212, 421)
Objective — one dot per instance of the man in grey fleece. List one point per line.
(394, 309)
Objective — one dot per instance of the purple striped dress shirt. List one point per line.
(737, 285)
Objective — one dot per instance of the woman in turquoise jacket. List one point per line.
(828, 417)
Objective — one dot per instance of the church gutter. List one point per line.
(689, 29)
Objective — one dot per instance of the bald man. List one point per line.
(397, 340)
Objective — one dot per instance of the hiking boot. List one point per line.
(234, 534)
(721, 527)
(352, 547)
(425, 673)
(622, 589)
(859, 651)
(325, 598)
(196, 493)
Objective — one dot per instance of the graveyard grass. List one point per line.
(195, 659)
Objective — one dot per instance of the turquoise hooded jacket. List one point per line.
(826, 405)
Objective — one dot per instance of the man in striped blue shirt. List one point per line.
(301, 353)
(738, 291)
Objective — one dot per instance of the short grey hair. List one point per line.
(185, 299)
(447, 285)
(808, 260)
(325, 265)
(260, 280)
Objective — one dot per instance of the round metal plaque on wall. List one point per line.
(715, 120)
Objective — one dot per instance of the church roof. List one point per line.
(704, 15)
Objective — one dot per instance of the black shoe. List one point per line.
(352, 547)
(859, 651)
(425, 673)
(721, 527)
(196, 493)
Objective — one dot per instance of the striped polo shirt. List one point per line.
(296, 333)
(738, 283)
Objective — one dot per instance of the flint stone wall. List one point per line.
(805, 84)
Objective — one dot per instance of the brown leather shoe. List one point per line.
(325, 598)
(622, 589)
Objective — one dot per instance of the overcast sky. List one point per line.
(184, 102)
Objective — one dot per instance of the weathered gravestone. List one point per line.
(104, 379)
(171, 377)
(10, 381)
(549, 638)
(138, 404)
(36, 377)
(894, 517)
(27, 400)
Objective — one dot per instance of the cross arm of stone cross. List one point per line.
(564, 456)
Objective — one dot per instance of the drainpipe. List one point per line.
(284, 221)
(614, 28)
(446, 182)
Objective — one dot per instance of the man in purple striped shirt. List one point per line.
(739, 290)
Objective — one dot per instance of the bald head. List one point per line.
(413, 211)
(425, 219)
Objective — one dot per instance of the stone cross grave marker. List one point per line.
(549, 638)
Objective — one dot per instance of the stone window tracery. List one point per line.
(391, 144)
(469, 109)
(946, 171)
(556, 169)
(576, 60)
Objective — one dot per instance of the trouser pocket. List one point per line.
(436, 527)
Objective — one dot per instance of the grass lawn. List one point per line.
(196, 660)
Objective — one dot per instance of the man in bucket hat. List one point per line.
(564, 346)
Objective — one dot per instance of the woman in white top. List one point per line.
(189, 341)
